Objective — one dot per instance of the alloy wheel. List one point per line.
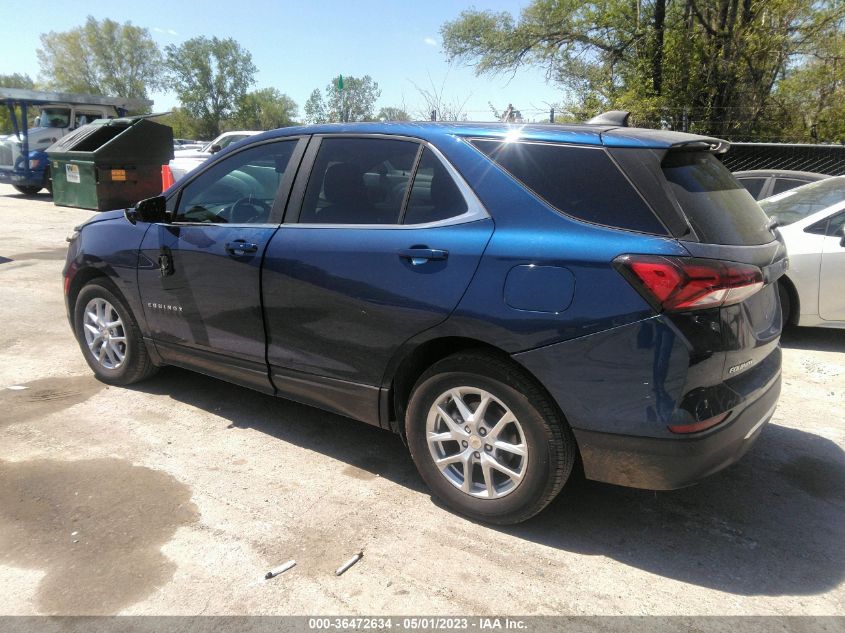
(105, 334)
(476, 442)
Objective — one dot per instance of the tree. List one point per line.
(184, 125)
(435, 101)
(265, 109)
(810, 101)
(210, 77)
(104, 58)
(391, 113)
(15, 80)
(355, 102)
(315, 109)
(707, 65)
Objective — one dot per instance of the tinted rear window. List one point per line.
(718, 208)
(580, 181)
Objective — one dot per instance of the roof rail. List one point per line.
(611, 117)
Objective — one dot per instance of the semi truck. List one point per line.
(23, 157)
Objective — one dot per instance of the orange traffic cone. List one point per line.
(166, 178)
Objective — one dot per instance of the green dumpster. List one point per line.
(110, 163)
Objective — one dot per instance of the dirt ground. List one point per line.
(176, 496)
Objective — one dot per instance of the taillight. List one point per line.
(676, 284)
(697, 427)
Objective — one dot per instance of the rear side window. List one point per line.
(718, 208)
(753, 185)
(785, 184)
(358, 181)
(434, 195)
(583, 182)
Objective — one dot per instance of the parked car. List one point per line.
(180, 144)
(501, 296)
(811, 220)
(184, 160)
(763, 183)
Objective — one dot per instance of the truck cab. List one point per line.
(54, 121)
(23, 157)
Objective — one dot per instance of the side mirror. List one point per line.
(151, 210)
(215, 148)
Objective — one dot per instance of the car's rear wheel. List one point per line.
(486, 438)
(28, 191)
(109, 336)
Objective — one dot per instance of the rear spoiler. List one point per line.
(713, 146)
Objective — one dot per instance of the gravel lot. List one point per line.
(177, 495)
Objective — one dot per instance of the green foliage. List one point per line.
(15, 80)
(265, 109)
(104, 58)
(810, 101)
(183, 124)
(356, 102)
(390, 113)
(210, 77)
(315, 109)
(710, 66)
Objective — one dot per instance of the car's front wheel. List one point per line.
(109, 335)
(486, 438)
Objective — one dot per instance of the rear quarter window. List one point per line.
(582, 182)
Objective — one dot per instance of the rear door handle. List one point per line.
(421, 255)
(239, 248)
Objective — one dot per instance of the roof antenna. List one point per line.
(612, 117)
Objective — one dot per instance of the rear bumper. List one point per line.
(667, 464)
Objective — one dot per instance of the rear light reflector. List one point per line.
(677, 284)
(697, 427)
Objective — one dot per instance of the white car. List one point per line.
(812, 222)
(186, 160)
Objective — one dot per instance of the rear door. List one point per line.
(366, 261)
(832, 271)
(200, 274)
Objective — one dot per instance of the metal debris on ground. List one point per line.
(279, 570)
(349, 563)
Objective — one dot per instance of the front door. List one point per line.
(200, 273)
(832, 271)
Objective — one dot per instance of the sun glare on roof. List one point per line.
(513, 135)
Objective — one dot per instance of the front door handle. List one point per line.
(239, 248)
(420, 255)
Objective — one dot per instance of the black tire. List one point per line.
(27, 191)
(551, 445)
(136, 364)
(785, 304)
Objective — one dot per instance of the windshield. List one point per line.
(797, 204)
(54, 117)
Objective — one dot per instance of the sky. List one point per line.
(299, 46)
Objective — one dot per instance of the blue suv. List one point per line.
(516, 301)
